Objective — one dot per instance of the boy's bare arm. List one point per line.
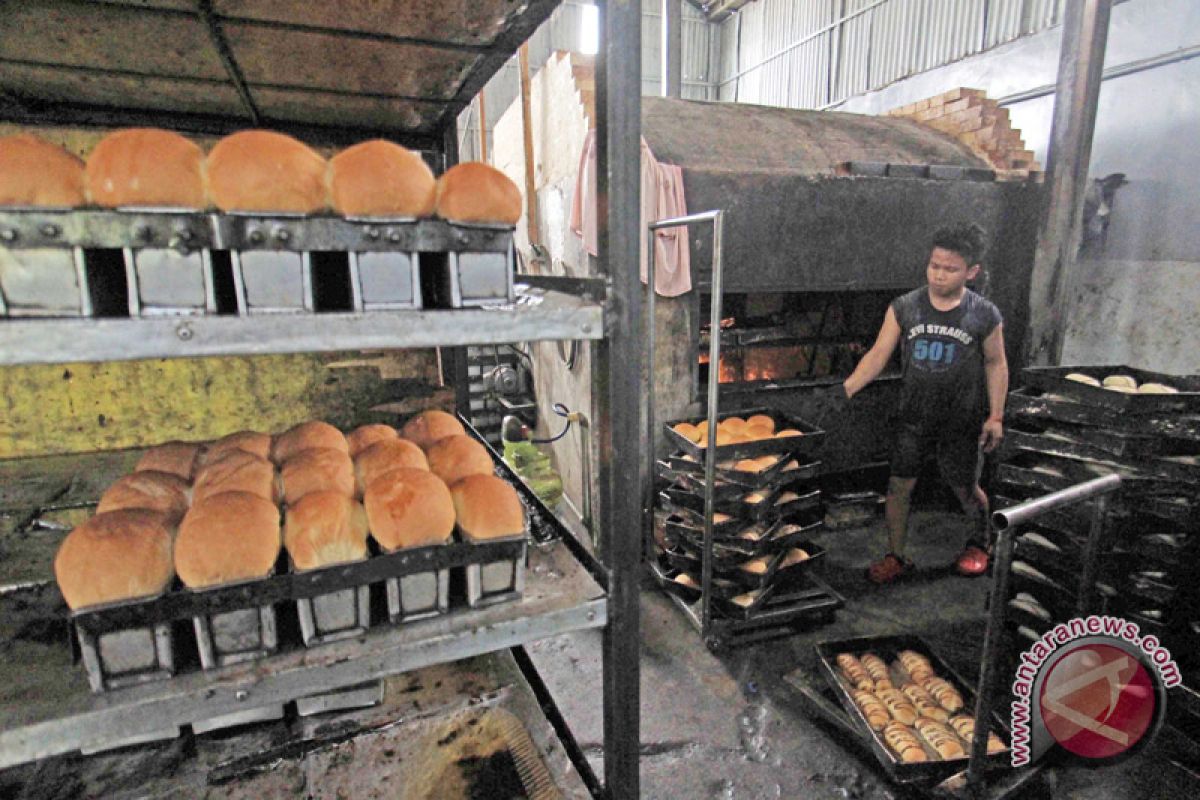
(995, 370)
(877, 357)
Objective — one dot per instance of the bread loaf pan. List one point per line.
(167, 282)
(269, 281)
(385, 281)
(231, 637)
(499, 580)
(362, 695)
(1054, 379)
(333, 616)
(417, 596)
(478, 278)
(728, 471)
(126, 657)
(44, 282)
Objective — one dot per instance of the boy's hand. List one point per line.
(991, 435)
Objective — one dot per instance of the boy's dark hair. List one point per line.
(966, 239)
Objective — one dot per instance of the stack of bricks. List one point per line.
(979, 123)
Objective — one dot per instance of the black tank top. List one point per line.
(943, 385)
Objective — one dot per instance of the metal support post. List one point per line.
(672, 48)
(618, 172)
(1091, 556)
(1081, 62)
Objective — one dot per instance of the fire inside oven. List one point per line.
(781, 338)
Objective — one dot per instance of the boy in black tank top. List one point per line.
(952, 392)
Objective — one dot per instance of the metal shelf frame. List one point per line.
(607, 311)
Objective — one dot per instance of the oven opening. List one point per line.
(791, 338)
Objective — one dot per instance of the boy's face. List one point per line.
(948, 272)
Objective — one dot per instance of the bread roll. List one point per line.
(149, 490)
(177, 458)
(383, 457)
(875, 667)
(237, 471)
(852, 670)
(427, 427)
(1079, 377)
(487, 507)
(788, 432)
(687, 431)
(325, 528)
(761, 421)
(455, 457)
(364, 436)
(315, 470)
(1156, 388)
(117, 555)
(227, 538)
(409, 507)
(897, 704)
(1120, 381)
(964, 726)
(306, 436)
(146, 167)
(924, 703)
(732, 424)
(904, 742)
(381, 179)
(475, 192)
(940, 738)
(34, 172)
(944, 693)
(266, 171)
(916, 665)
(877, 716)
(252, 442)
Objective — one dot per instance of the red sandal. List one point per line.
(889, 569)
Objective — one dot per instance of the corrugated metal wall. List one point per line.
(814, 53)
(701, 62)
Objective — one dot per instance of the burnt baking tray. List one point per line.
(1178, 468)
(1054, 379)
(887, 648)
(811, 439)
(1032, 403)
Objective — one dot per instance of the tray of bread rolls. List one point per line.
(917, 713)
(1122, 388)
(746, 434)
(315, 531)
(152, 216)
(752, 473)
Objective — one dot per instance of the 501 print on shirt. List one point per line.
(936, 348)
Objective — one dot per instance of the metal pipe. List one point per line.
(618, 163)
(1119, 71)
(1021, 513)
(651, 346)
(672, 48)
(1091, 556)
(234, 71)
(993, 643)
(703, 216)
(1081, 62)
(804, 40)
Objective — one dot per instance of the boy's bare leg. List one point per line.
(899, 500)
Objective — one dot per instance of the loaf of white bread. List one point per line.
(409, 507)
(383, 457)
(115, 556)
(487, 507)
(325, 528)
(364, 436)
(178, 458)
(226, 538)
(237, 471)
(452, 458)
(306, 436)
(381, 179)
(253, 442)
(257, 170)
(146, 167)
(430, 425)
(34, 172)
(152, 491)
(476, 192)
(317, 469)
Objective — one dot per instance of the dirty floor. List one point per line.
(728, 727)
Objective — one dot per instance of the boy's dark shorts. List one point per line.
(957, 451)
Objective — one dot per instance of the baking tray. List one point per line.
(690, 496)
(790, 509)
(731, 610)
(682, 463)
(1032, 403)
(1053, 379)
(1170, 468)
(665, 575)
(886, 647)
(685, 522)
(789, 576)
(499, 578)
(798, 445)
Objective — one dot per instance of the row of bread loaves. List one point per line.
(252, 170)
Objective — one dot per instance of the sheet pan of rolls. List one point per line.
(266, 199)
(918, 712)
(307, 522)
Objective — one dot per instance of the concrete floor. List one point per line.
(728, 726)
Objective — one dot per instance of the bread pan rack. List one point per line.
(886, 647)
(1054, 379)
